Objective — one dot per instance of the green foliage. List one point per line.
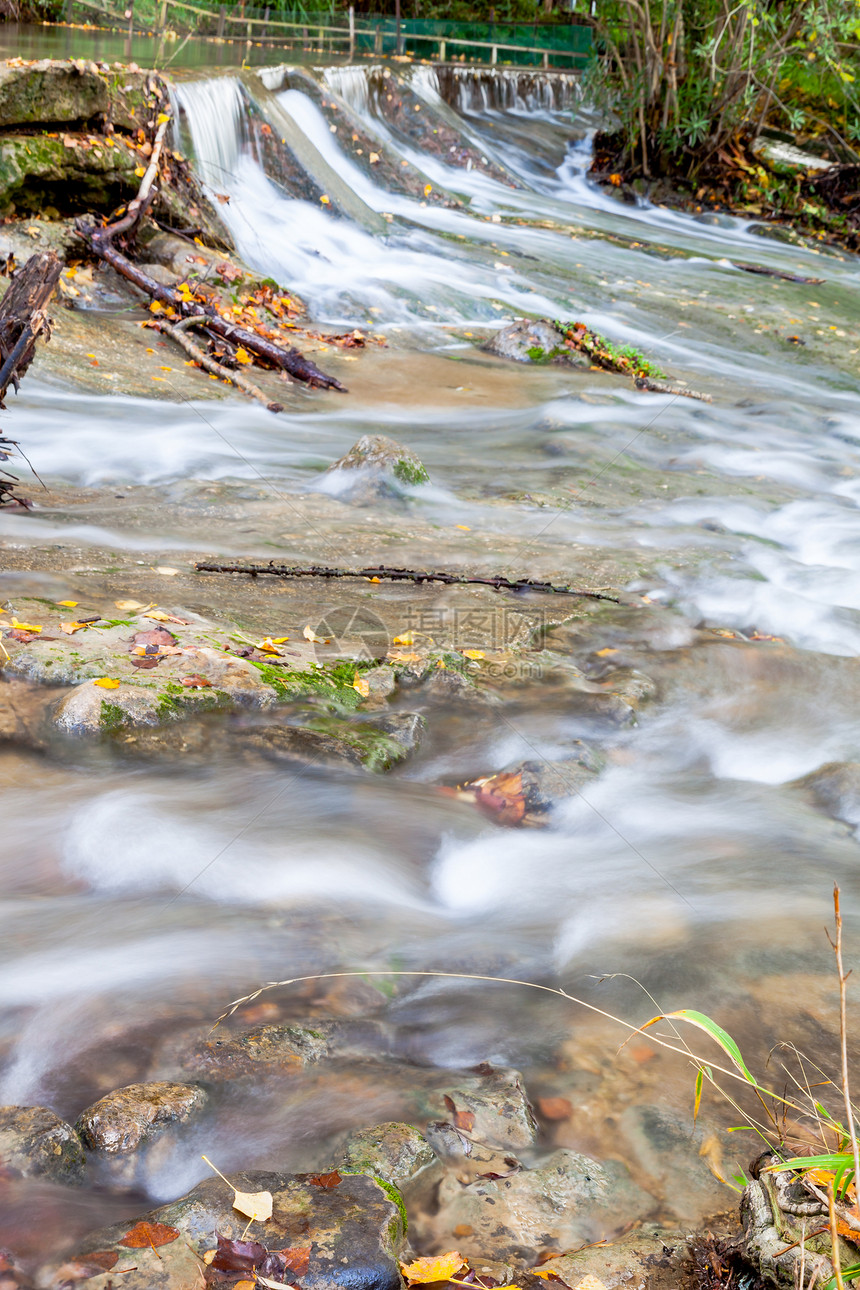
(687, 78)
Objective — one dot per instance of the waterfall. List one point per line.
(214, 113)
(351, 85)
(481, 89)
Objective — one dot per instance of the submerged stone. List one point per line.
(36, 1142)
(351, 1231)
(653, 1257)
(90, 709)
(275, 1049)
(836, 788)
(492, 1108)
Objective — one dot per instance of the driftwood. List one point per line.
(380, 572)
(625, 361)
(177, 333)
(22, 319)
(101, 243)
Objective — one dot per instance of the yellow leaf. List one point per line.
(590, 1282)
(472, 653)
(269, 646)
(325, 201)
(437, 1267)
(166, 570)
(155, 307)
(310, 635)
(130, 604)
(428, 188)
(71, 628)
(602, 653)
(254, 1204)
(68, 604)
(25, 627)
(242, 356)
(464, 527)
(162, 117)
(247, 1285)
(277, 640)
(543, 1273)
(106, 682)
(139, 171)
(374, 157)
(406, 639)
(361, 685)
(402, 656)
(209, 1256)
(159, 615)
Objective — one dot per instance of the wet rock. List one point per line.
(492, 1108)
(37, 171)
(22, 711)
(650, 1258)
(533, 341)
(89, 709)
(353, 1233)
(34, 1141)
(51, 91)
(382, 682)
(375, 466)
(547, 782)
(836, 787)
(778, 1242)
(631, 685)
(299, 744)
(123, 1119)
(664, 1147)
(274, 1049)
(568, 1200)
(393, 1152)
(403, 732)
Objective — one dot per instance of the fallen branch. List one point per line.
(100, 242)
(622, 359)
(380, 572)
(177, 333)
(22, 319)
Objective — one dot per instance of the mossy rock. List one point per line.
(37, 171)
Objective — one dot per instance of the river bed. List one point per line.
(140, 899)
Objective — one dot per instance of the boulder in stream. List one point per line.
(374, 467)
(36, 1142)
(568, 1200)
(273, 1049)
(836, 788)
(533, 340)
(650, 1258)
(120, 1121)
(393, 1152)
(493, 1108)
(345, 1233)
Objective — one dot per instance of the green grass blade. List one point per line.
(722, 1037)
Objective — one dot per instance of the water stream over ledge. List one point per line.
(139, 898)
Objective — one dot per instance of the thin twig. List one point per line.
(843, 1034)
(834, 1237)
(239, 379)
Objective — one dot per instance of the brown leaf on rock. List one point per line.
(195, 681)
(464, 1120)
(296, 1258)
(146, 660)
(80, 1267)
(326, 1181)
(158, 636)
(145, 1234)
(237, 1256)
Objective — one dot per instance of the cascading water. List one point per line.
(690, 855)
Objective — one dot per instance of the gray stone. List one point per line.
(353, 1232)
(666, 1148)
(650, 1258)
(375, 466)
(127, 1117)
(492, 1108)
(34, 1141)
(394, 1152)
(533, 341)
(51, 92)
(382, 682)
(568, 1200)
(301, 745)
(547, 782)
(836, 787)
(90, 709)
(275, 1049)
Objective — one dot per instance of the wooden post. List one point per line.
(69, 4)
(352, 31)
(494, 55)
(129, 13)
(265, 30)
(546, 59)
(162, 17)
(442, 51)
(397, 46)
(222, 18)
(377, 40)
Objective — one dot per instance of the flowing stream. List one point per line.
(138, 901)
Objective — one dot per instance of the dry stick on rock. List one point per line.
(177, 332)
(22, 319)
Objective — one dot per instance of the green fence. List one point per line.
(325, 31)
